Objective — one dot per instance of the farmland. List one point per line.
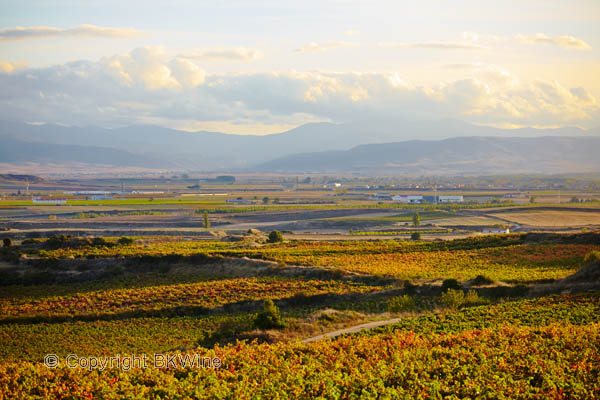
(460, 312)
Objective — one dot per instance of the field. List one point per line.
(552, 218)
(460, 314)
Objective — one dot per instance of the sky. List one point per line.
(258, 67)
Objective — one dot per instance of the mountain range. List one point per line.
(417, 147)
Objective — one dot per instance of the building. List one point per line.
(380, 196)
(514, 195)
(450, 199)
(238, 201)
(37, 200)
(496, 229)
(442, 199)
(408, 199)
(101, 197)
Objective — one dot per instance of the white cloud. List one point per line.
(147, 84)
(6, 66)
(568, 42)
(233, 54)
(313, 47)
(45, 32)
(435, 45)
(351, 32)
(152, 68)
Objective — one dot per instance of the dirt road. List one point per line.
(352, 329)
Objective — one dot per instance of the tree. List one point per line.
(270, 317)
(416, 219)
(206, 221)
(275, 237)
(125, 241)
(7, 242)
(415, 236)
(532, 199)
(265, 200)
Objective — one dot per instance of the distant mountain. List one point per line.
(213, 150)
(15, 151)
(158, 147)
(463, 155)
(13, 178)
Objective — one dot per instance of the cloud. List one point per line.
(435, 45)
(233, 54)
(46, 32)
(149, 85)
(152, 69)
(8, 67)
(351, 32)
(314, 47)
(568, 42)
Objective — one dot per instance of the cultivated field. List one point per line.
(355, 299)
(549, 218)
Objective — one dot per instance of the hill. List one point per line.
(157, 147)
(464, 155)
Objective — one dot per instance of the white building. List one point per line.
(408, 199)
(101, 197)
(495, 229)
(238, 201)
(450, 199)
(37, 200)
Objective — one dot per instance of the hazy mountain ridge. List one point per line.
(455, 155)
(17, 151)
(158, 147)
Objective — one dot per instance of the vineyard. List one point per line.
(506, 356)
(188, 298)
(507, 258)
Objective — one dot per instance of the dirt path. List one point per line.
(352, 329)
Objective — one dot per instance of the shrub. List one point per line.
(57, 241)
(269, 318)
(7, 242)
(98, 242)
(113, 271)
(473, 299)
(125, 241)
(275, 237)
(415, 236)
(401, 304)
(450, 284)
(453, 298)
(481, 280)
(164, 267)
(592, 256)
(409, 287)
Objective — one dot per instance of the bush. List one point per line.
(409, 287)
(57, 242)
(99, 242)
(7, 242)
(275, 237)
(415, 236)
(125, 241)
(401, 304)
(450, 284)
(473, 299)
(481, 280)
(269, 318)
(592, 256)
(457, 298)
(453, 298)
